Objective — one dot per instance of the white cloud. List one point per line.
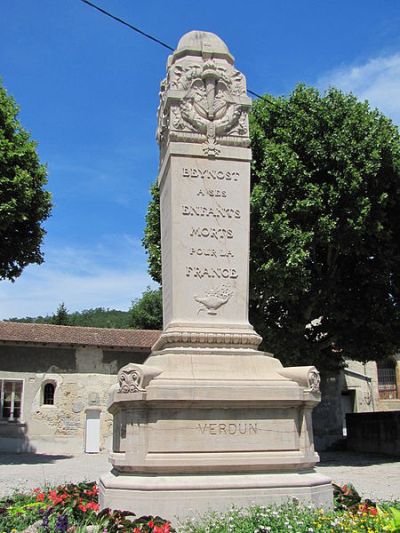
(377, 81)
(73, 275)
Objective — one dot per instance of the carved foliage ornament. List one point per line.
(130, 379)
(208, 100)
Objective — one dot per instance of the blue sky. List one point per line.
(88, 88)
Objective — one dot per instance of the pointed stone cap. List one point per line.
(202, 43)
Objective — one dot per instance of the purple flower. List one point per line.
(62, 523)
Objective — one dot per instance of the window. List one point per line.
(387, 384)
(48, 394)
(10, 399)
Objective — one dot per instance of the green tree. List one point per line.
(146, 311)
(61, 318)
(24, 204)
(152, 235)
(96, 318)
(325, 247)
(100, 318)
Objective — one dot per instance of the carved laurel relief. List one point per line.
(249, 340)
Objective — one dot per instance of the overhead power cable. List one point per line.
(137, 30)
(127, 24)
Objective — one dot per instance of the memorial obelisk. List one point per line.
(208, 421)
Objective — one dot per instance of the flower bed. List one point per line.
(74, 508)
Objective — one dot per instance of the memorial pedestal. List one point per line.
(212, 431)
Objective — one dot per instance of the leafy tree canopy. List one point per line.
(146, 312)
(325, 247)
(24, 204)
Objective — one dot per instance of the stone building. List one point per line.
(54, 383)
(358, 388)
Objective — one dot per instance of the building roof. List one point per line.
(130, 339)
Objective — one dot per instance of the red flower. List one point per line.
(150, 523)
(36, 490)
(40, 497)
(82, 507)
(137, 530)
(91, 492)
(365, 508)
(93, 506)
(165, 528)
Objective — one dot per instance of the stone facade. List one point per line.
(78, 366)
(358, 388)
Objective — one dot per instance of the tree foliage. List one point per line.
(24, 204)
(61, 317)
(96, 318)
(325, 221)
(152, 235)
(146, 311)
(325, 247)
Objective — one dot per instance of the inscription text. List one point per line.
(228, 429)
(210, 174)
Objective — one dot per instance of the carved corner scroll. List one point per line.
(314, 379)
(307, 377)
(135, 378)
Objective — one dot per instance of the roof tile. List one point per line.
(77, 335)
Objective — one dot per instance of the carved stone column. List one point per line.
(204, 181)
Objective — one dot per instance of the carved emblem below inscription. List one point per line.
(213, 299)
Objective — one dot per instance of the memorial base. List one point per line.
(179, 497)
(203, 432)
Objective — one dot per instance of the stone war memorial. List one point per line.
(208, 421)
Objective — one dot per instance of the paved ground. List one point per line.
(374, 476)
